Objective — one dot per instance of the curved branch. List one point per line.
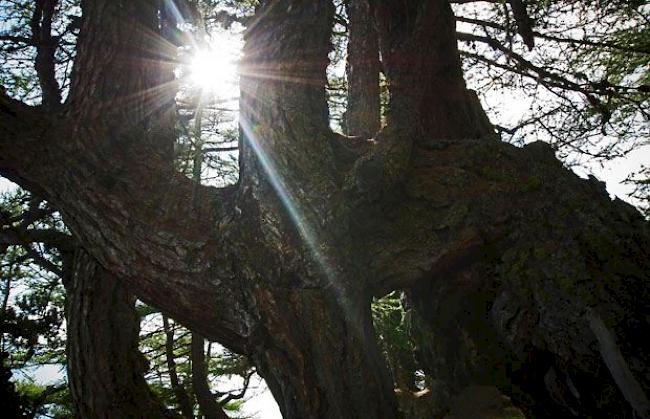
(237, 396)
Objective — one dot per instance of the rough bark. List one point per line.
(362, 115)
(504, 251)
(102, 325)
(290, 178)
(164, 230)
(321, 362)
(105, 369)
(517, 314)
(421, 61)
(508, 304)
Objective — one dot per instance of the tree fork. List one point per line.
(290, 179)
(304, 240)
(177, 218)
(480, 319)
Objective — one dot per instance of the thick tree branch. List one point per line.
(428, 98)
(362, 115)
(422, 64)
(290, 172)
(281, 74)
(22, 129)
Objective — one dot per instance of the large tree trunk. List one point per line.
(545, 301)
(308, 336)
(319, 362)
(550, 314)
(105, 369)
(514, 265)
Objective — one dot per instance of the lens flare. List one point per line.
(214, 72)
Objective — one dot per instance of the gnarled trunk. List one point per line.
(548, 312)
(522, 276)
(320, 360)
(105, 369)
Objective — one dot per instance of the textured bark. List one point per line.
(517, 314)
(320, 360)
(420, 57)
(506, 305)
(105, 368)
(362, 116)
(290, 177)
(504, 252)
(164, 230)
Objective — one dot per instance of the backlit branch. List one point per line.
(46, 44)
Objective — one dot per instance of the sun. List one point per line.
(214, 69)
(212, 73)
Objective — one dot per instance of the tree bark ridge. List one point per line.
(105, 369)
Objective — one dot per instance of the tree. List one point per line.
(105, 369)
(31, 317)
(581, 65)
(521, 277)
(107, 377)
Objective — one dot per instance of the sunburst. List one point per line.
(214, 69)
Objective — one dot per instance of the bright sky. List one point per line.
(262, 405)
(213, 65)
